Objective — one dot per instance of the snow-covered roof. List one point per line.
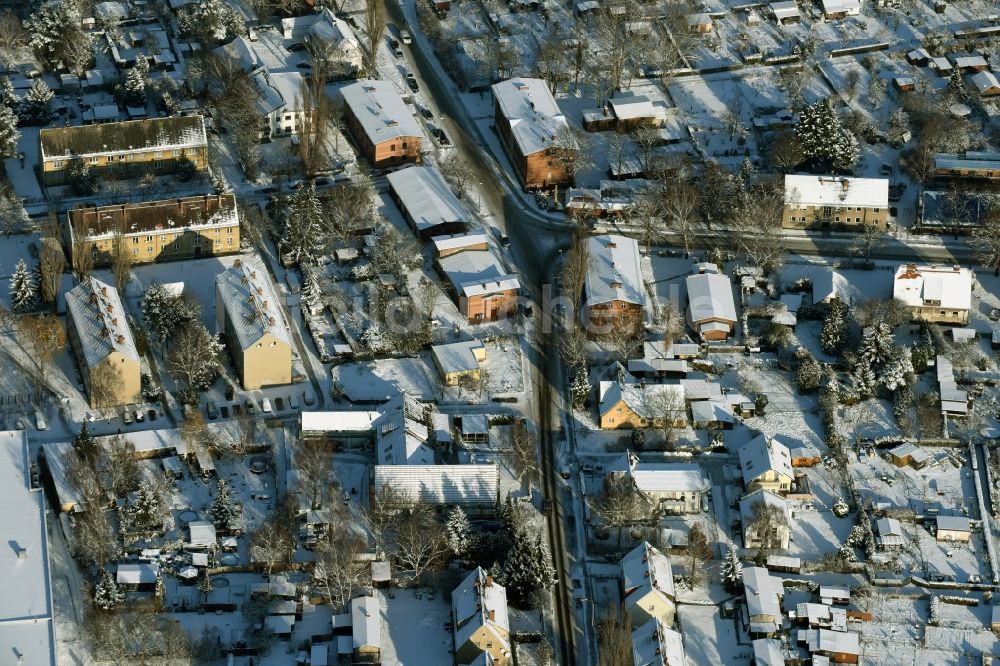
(947, 287)
(244, 291)
(243, 51)
(366, 622)
(171, 133)
(628, 107)
(646, 570)
(401, 433)
(209, 210)
(829, 283)
(767, 652)
(532, 112)
(656, 644)
(426, 197)
(837, 191)
(710, 296)
(763, 454)
(202, 533)
(278, 91)
(479, 601)
(661, 477)
(477, 272)
(380, 110)
(764, 592)
(26, 603)
(100, 321)
(700, 389)
(750, 501)
(841, 6)
(613, 271)
(985, 81)
(340, 421)
(954, 523)
(457, 356)
(645, 400)
(709, 411)
(978, 160)
(970, 61)
(444, 244)
(825, 640)
(137, 573)
(442, 484)
(784, 9)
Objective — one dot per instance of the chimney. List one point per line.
(846, 184)
(489, 580)
(110, 308)
(114, 321)
(22, 553)
(493, 616)
(616, 285)
(104, 291)
(237, 263)
(121, 339)
(253, 275)
(272, 321)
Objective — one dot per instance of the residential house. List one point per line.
(282, 102)
(828, 284)
(480, 619)
(768, 652)
(910, 454)
(625, 113)
(954, 528)
(382, 126)
(249, 314)
(137, 575)
(482, 287)
(534, 132)
(938, 294)
(986, 84)
(656, 644)
(614, 295)
(786, 12)
(366, 630)
(446, 245)
(102, 342)
(766, 464)
(968, 64)
(918, 57)
(840, 647)
(711, 310)
(971, 164)
(951, 211)
(474, 488)
(764, 593)
(186, 228)
(700, 23)
(333, 30)
(26, 626)
(835, 202)
(780, 529)
(835, 9)
(830, 595)
(126, 149)
(401, 433)
(427, 201)
(648, 586)
(679, 488)
(889, 534)
(627, 404)
(458, 361)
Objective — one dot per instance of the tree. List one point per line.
(386, 508)
(756, 218)
(165, 313)
(458, 532)
(238, 106)
(120, 466)
(121, 259)
(824, 138)
(458, 171)
(528, 566)
(768, 524)
(51, 264)
(375, 23)
(44, 335)
(620, 504)
(833, 336)
(524, 445)
(419, 542)
(879, 361)
(614, 631)
(226, 513)
(677, 201)
(80, 177)
(85, 445)
(339, 568)
(195, 357)
(664, 409)
(580, 388)
(55, 33)
(732, 569)
(303, 226)
(23, 288)
(870, 237)
(9, 134)
(147, 511)
(985, 240)
(212, 21)
(809, 374)
(106, 592)
(698, 550)
(133, 88)
(12, 38)
(36, 107)
(274, 542)
(571, 149)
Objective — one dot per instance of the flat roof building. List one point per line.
(427, 201)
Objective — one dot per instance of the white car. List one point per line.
(265, 405)
(404, 36)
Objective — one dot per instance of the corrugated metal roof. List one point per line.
(442, 484)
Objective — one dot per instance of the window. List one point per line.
(149, 250)
(404, 145)
(135, 241)
(149, 239)
(229, 241)
(94, 160)
(218, 242)
(135, 252)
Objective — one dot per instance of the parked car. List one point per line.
(308, 399)
(293, 402)
(412, 82)
(211, 410)
(404, 36)
(265, 405)
(546, 506)
(127, 417)
(139, 416)
(250, 407)
(426, 113)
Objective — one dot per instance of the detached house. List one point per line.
(780, 533)
(614, 295)
(481, 286)
(656, 644)
(939, 294)
(533, 131)
(248, 313)
(677, 488)
(764, 594)
(207, 225)
(835, 202)
(766, 464)
(711, 310)
(648, 586)
(125, 149)
(282, 102)
(480, 620)
(627, 404)
(380, 123)
(102, 342)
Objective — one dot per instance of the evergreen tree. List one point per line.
(934, 611)
(106, 592)
(898, 371)
(9, 134)
(147, 508)
(8, 96)
(809, 374)
(226, 514)
(833, 337)
(732, 569)
(956, 85)
(459, 532)
(36, 109)
(527, 566)
(186, 170)
(580, 388)
(760, 403)
(312, 291)
(165, 313)
(302, 227)
(133, 88)
(23, 288)
(80, 177)
(876, 352)
(840, 508)
(85, 444)
(824, 138)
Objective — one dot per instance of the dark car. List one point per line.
(412, 82)
(426, 113)
(250, 407)
(295, 48)
(546, 506)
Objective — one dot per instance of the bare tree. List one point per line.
(573, 347)
(575, 267)
(624, 338)
(83, 249)
(669, 321)
(194, 358)
(620, 504)
(312, 138)
(105, 381)
(120, 465)
(273, 544)
(678, 203)
(756, 220)
(665, 409)
(420, 543)
(13, 217)
(51, 263)
(121, 259)
(786, 150)
(458, 171)
(374, 31)
(767, 525)
(698, 550)
(338, 568)
(615, 633)
(386, 506)
(571, 149)
(43, 336)
(985, 240)
(525, 448)
(313, 462)
(552, 59)
(869, 238)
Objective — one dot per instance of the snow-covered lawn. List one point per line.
(710, 638)
(413, 628)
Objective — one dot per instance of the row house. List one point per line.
(836, 202)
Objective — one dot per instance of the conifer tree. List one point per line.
(23, 288)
